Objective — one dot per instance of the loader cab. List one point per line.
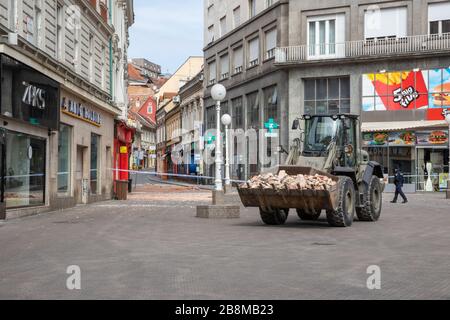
(331, 133)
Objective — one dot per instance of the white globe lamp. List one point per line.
(226, 119)
(218, 92)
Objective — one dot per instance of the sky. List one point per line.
(167, 32)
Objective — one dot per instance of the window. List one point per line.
(64, 147)
(269, 3)
(211, 117)
(211, 33)
(271, 43)
(253, 111)
(212, 73)
(439, 17)
(271, 104)
(14, 13)
(224, 109)
(385, 23)
(38, 27)
(253, 49)
(29, 29)
(271, 116)
(252, 8)
(238, 59)
(94, 176)
(253, 122)
(103, 57)
(59, 32)
(238, 116)
(223, 26)
(91, 57)
(237, 17)
(327, 95)
(224, 67)
(25, 170)
(74, 24)
(324, 33)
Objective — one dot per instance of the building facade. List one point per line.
(386, 61)
(240, 41)
(191, 106)
(57, 123)
(168, 116)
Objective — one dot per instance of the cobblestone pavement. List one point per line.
(153, 247)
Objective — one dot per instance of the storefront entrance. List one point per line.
(437, 157)
(81, 182)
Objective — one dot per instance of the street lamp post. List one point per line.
(218, 93)
(447, 118)
(226, 121)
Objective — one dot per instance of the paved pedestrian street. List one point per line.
(153, 248)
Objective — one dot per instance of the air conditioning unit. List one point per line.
(176, 99)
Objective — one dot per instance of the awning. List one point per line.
(401, 125)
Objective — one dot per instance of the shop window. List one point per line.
(64, 168)
(25, 170)
(327, 95)
(94, 173)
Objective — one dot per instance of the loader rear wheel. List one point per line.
(345, 212)
(372, 202)
(308, 216)
(274, 217)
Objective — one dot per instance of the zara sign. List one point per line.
(28, 95)
(34, 96)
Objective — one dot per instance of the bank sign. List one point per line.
(28, 95)
(78, 110)
(408, 90)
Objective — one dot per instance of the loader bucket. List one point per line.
(307, 200)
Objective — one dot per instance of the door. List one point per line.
(79, 175)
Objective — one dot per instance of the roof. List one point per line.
(401, 125)
(134, 74)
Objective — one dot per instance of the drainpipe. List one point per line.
(111, 90)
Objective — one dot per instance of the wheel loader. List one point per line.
(329, 145)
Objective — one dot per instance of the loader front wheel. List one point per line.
(372, 202)
(274, 217)
(307, 216)
(345, 212)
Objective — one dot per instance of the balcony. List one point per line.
(364, 49)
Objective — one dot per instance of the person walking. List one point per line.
(398, 181)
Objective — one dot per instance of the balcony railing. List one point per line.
(364, 48)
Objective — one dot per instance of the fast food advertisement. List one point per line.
(432, 137)
(376, 139)
(408, 90)
(403, 138)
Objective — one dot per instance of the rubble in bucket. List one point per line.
(290, 182)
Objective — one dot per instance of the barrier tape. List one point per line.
(172, 175)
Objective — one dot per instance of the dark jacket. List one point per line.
(399, 179)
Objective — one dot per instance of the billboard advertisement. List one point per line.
(408, 90)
